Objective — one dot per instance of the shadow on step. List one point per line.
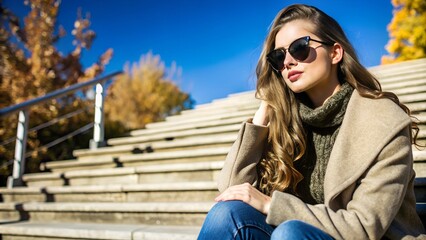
(23, 215)
(49, 197)
(66, 181)
(117, 162)
(137, 150)
(147, 149)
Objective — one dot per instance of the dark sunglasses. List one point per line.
(298, 49)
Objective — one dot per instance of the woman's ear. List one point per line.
(336, 53)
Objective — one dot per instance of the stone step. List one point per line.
(225, 102)
(26, 230)
(421, 139)
(97, 162)
(181, 119)
(165, 173)
(176, 134)
(222, 140)
(95, 159)
(395, 68)
(420, 118)
(389, 76)
(195, 155)
(415, 97)
(111, 151)
(158, 213)
(399, 85)
(405, 66)
(157, 146)
(403, 76)
(419, 165)
(417, 107)
(148, 192)
(422, 133)
(419, 155)
(180, 127)
(410, 90)
(231, 107)
(235, 99)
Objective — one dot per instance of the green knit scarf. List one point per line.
(322, 125)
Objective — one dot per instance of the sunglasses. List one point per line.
(299, 49)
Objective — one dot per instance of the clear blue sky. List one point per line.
(216, 43)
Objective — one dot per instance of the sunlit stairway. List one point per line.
(159, 182)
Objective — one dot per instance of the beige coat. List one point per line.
(368, 186)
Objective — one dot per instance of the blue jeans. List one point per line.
(238, 220)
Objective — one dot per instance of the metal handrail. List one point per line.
(46, 124)
(55, 94)
(23, 119)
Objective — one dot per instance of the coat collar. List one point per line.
(368, 125)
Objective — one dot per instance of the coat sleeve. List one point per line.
(245, 153)
(377, 197)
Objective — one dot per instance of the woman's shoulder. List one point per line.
(381, 110)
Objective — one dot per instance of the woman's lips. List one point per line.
(294, 75)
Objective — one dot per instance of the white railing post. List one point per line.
(98, 127)
(20, 148)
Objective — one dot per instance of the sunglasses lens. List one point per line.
(276, 59)
(299, 49)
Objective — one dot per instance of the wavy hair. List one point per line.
(287, 139)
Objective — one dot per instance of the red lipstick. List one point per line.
(294, 75)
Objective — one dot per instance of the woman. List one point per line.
(328, 153)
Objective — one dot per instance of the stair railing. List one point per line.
(23, 120)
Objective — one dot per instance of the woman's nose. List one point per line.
(289, 61)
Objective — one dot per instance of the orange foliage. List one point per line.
(144, 94)
(407, 31)
(31, 66)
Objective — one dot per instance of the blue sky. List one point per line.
(215, 43)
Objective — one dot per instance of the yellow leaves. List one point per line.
(410, 4)
(83, 35)
(35, 67)
(407, 31)
(144, 94)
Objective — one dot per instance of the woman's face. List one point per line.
(313, 75)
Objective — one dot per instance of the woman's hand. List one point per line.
(248, 194)
(261, 115)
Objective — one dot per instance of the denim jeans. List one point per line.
(238, 220)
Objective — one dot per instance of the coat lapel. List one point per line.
(367, 126)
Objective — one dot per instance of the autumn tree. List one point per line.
(407, 31)
(31, 66)
(144, 94)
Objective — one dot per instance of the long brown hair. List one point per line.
(286, 140)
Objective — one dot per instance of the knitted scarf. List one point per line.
(322, 125)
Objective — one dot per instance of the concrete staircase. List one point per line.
(159, 182)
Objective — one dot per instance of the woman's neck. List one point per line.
(320, 95)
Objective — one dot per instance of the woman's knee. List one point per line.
(235, 220)
(227, 209)
(222, 219)
(286, 229)
(296, 229)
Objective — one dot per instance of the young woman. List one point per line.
(328, 153)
